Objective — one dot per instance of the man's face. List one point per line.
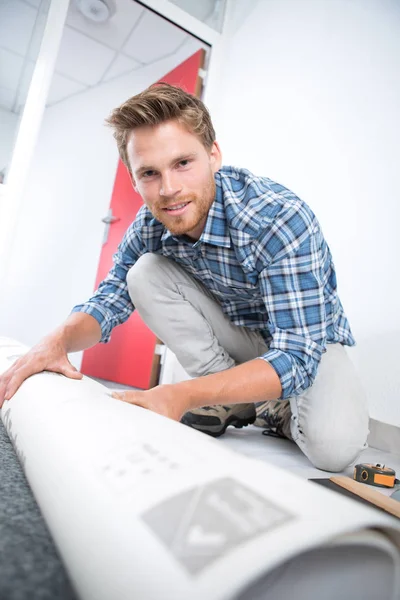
(174, 174)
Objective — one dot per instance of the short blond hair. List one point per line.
(159, 103)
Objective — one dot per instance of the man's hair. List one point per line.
(159, 103)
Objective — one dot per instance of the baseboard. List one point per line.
(384, 436)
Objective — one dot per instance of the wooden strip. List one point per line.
(360, 489)
(155, 367)
(199, 81)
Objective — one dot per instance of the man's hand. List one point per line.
(253, 381)
(48, 355)
(167, 400)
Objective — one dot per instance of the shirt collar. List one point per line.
(216, 231)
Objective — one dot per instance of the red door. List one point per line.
(128, 356)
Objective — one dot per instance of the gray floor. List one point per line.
(112, 385)
(285, 454)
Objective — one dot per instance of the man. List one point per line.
(233, 273)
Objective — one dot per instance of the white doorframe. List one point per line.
(216, 40)
(183, 19)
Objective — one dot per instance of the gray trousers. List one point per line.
(329, 421)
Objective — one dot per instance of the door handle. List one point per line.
(109, 219)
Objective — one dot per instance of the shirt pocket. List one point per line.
(226, 289)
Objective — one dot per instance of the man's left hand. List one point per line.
(166, 400)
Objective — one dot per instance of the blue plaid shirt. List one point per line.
(263, 256)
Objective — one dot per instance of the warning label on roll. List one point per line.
(205, 522)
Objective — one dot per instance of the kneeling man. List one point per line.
(232, 272)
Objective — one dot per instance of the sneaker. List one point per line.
(275, 417)
(215, 419)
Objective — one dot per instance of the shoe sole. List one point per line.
(217, 430)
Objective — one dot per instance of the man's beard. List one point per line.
(197, 211)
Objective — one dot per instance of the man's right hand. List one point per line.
(48, 355)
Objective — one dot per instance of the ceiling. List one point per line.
(90, 53)
(207, 11)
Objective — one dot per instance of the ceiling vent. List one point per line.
(98, 11)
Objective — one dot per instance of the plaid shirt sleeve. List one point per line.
(291, 255)
(111, 304)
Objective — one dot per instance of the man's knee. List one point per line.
(143, 267)
(334, 451)
(144, 274)
(332, 415)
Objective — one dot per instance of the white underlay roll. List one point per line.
(143, 507)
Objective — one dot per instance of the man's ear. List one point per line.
(215, 157)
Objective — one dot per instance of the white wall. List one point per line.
(311, 97)
(59, 232)
(8, 132)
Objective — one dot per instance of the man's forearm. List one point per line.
(79, 332)
(253, 381)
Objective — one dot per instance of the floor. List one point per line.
(112, 385)
(285, 454)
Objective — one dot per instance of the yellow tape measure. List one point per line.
(378, 475)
